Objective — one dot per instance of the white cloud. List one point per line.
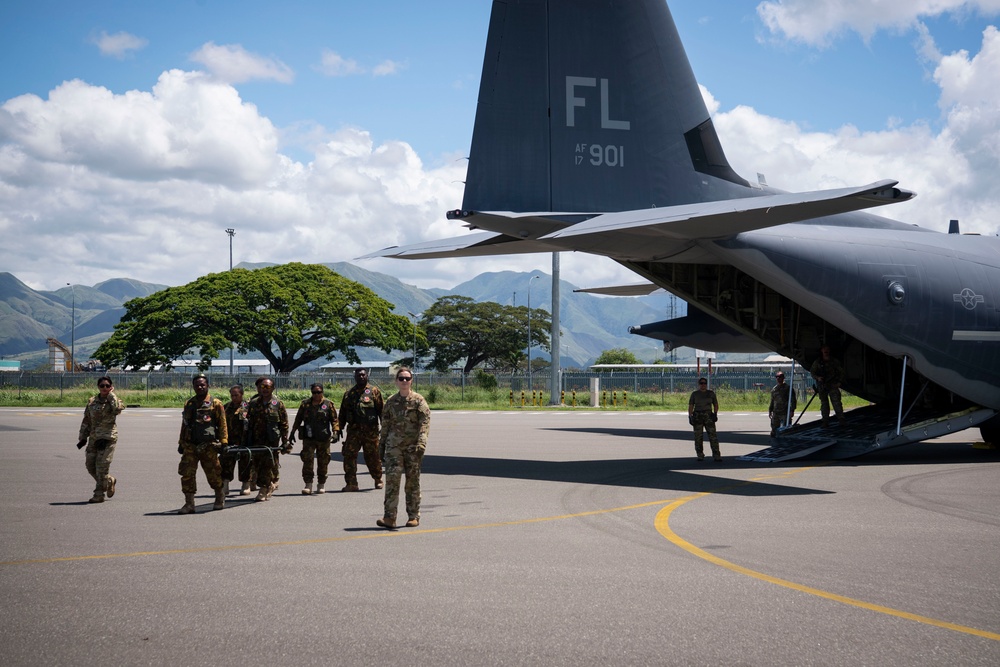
(333, 64)
(386, 67)
(119, 44)
(953, 170)
(234, 64)
(818, 22)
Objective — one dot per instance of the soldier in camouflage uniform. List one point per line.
(268, 423)
(316, 423)
(828, 374)
(99, 434)
(406, 422)
(361, 407)
(778, 408)
(236, 421)
(203, 435)
(703, 412)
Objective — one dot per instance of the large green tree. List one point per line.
(617, 355)
(458, 328)
(292, 314)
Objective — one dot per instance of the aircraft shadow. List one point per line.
(754, 439)
(668, 474)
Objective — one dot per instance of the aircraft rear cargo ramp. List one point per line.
(865, 430)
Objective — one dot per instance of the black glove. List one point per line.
(82, 443)
(180, 449)
(715, 417)
(691, 420)
(336, 436)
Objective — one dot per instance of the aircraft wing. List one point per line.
(720, 219)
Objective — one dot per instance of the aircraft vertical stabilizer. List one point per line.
(590, 106)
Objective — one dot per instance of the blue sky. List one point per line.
(324, 130)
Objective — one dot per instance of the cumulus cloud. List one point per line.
(333, 64)
(386, 67)
(952, 169)
(234, 64)
(818, 22)
(119, 44)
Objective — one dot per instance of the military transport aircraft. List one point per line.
(591, 135)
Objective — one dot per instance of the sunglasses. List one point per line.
(402, 379)
(317, 392)
(702, 383)
(103, 386)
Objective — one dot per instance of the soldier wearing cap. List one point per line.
(316, 423)
(99, 434)
(361, 408)
(268, 423)
(778, 410)
(204, 435)
(703, 412)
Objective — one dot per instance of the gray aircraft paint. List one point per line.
(591, 135)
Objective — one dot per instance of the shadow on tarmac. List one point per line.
(666, 474)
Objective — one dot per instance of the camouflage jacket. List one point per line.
(406, 422)
(362, 407)
(779, 399)
(203, 422)
(316, 421)
(268, 422)
(100, 417)
(831, 371)
(703, 401)
(236, 422)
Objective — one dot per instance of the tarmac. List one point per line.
(546, 538)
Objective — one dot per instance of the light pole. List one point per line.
(232, 233)
(72, 335)
(415, 316)
(529, 331)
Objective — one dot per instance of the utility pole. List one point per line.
(554, 368)
(530, 386)
(72, 336)
(415, 316)
(232, 233)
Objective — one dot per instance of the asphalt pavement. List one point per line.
(547, 538)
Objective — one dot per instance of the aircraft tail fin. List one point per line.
(589, 105)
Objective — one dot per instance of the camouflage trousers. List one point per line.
(320, 451)
(188, 467)
(826, 397)
(228, 464)
(98, 463)
(703, 422)
(398, 462)
(360, 439)
(267, 467)
(778, 419)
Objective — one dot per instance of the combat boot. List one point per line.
(413, 523)
(225, 486)
(321, 487)
(308, 489)
(349, 488)
(271, 489)
(261, 494)
(379, 483)
(387, 523)
(220, 498)
(98, 497)
(245, 491)
(188, 507)
(110, 486)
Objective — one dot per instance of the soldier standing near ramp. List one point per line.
(316, 423)
(361, 407)
(781, 393)
(268, 423)
(99, 434)
(406, 422)
(203, 435)
(703, 412)
(828, 374)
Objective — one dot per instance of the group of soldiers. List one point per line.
(828, 374)
(252, 433)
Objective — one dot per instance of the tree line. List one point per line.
(294, 314)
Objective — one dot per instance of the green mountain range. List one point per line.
(589, 324)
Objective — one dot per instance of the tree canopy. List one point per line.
(458, 328)
(292, 314)
(617, 355)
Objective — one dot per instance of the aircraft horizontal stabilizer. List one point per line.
(720, 219)
(639, 289)
(479, 244)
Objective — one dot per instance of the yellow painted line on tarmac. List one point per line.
(325, 540)
(662, 523)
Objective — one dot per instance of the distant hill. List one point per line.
(590, 324)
